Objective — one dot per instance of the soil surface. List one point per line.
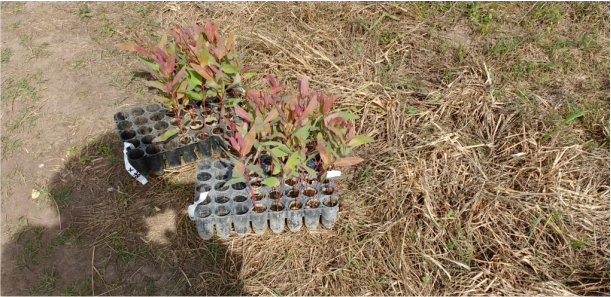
(61, 86)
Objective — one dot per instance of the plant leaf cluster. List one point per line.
(191, 65)
(296, 128)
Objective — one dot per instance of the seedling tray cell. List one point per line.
(140, 125)
(231, 207)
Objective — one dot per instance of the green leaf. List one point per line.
(235, 180)
(348, 116)
(292, 161)
(210, 119)
(156, 84)
(271, 181)
(213, 85)
(163, 137)
(153, 66)
(255, 168)
(310, 171)
(194, 77)
(277, 165)
(270, 143)
(232, 101)
(163, 100)
(237, 81)
(303, 132)
(228, 68)
(195, 95)
(278, 152)
(358, 140)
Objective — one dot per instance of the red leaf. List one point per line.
(253, 94)
(242, 113)
(161, 64)
(208, 30)
(303, 86)
(186, 30)
(328, 103)
(350, 134)
(196, 29)
(277, 89)
(234, 144)
(214, 69)
(215, 31)
(348, 161)
(179, 75)
(144, 52)
(160, 52)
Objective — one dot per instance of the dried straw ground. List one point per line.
(479, 182)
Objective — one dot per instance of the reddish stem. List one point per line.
(300, 184)
(252, 193)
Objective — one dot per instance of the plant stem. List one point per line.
(300, 184)
(252, 193)
(204, 113)
(177, 113)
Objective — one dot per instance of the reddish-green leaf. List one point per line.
(322, 152)
(156, 84)
(229, 40)
(348, 161)
(202, 71)
(249, 140)
(238, 170)
(179, 75)
(128, 46)
(271, 116)
(303, 86)
(242, 113)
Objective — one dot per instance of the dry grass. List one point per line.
(479, 182)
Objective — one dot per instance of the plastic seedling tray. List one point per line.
(141, 125)
(218, 208)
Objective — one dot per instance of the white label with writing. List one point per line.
(333, 173)
(202, 197)
(130, 169)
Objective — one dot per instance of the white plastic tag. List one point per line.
(130, 169)
(333, 173)
(202, 197)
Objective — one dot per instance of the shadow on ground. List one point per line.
(114, 236)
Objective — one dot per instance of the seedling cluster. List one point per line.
(287, 139)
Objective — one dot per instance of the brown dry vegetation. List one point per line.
(489, 174)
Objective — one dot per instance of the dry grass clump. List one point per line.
(490, 173)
